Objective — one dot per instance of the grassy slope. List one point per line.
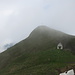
(36, 54)
(39, 63)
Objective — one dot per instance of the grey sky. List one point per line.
(19, 17)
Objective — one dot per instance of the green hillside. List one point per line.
(39, 63)
(37, 54)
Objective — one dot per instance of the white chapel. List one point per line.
(60, 46)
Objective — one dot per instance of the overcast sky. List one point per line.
(19, 17)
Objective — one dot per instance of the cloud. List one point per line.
(6, 44)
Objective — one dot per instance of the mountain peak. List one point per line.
(42, 27)
(46, 31)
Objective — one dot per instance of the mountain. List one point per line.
(37, 54)
(45, 36)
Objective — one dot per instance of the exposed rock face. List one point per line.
(70, 72)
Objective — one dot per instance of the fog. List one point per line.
(19, 17)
